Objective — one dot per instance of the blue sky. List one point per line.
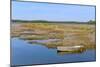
(51, 12)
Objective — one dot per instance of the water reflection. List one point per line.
(67, 52)
(50, 46)
(55, 44)
(24, 53)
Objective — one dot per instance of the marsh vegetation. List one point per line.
(53, 35)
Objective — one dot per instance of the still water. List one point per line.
(23, 53)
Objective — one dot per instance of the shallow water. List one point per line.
(24, 53)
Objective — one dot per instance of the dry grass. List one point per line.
(70, 34)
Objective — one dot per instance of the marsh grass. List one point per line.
(70, 34)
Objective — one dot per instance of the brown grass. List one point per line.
(70, 34)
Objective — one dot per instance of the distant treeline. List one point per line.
(92, 22)
(43, 21)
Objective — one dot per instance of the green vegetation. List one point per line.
(92, 22)
(44, 21)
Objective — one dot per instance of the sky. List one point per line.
(52, 12)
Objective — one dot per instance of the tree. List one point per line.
(92, 22)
